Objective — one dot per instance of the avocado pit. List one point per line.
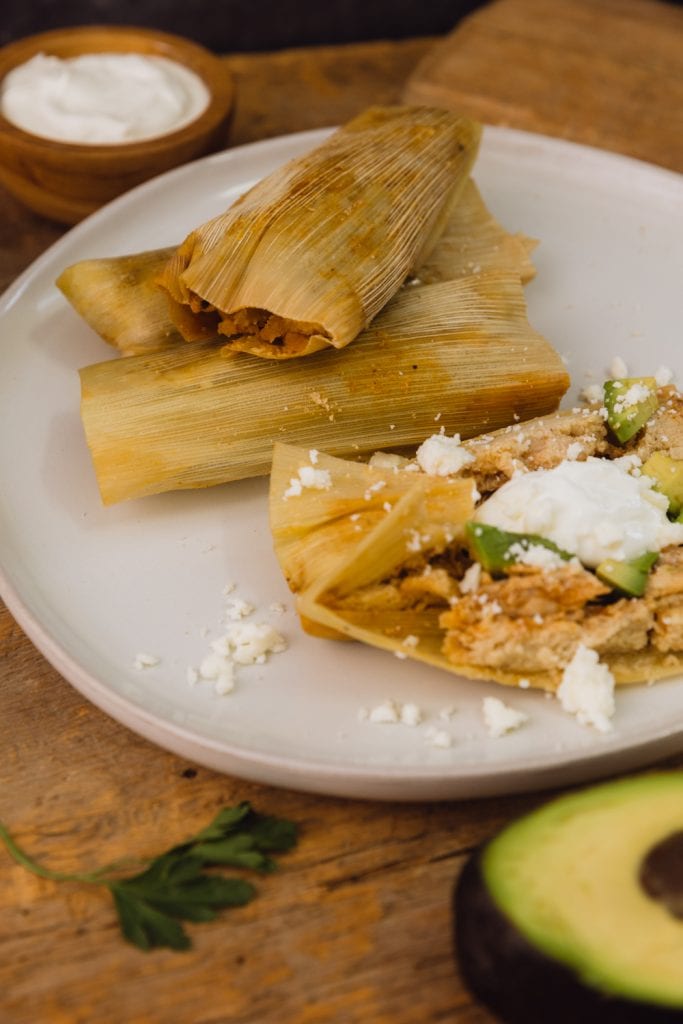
(661, 873)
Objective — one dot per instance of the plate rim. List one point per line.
(338, 778)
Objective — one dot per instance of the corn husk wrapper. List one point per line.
(473, 242)
(319, 529)
(460, 354)
(309, 256)
(120, 299)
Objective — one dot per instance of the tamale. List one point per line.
(119, 297)
(307, 258)
(461, 353)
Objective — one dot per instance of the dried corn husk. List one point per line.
(308, 257)
(314, 530)
(409, 534)
(318, 530)
(120, 299)
(461, 353)
(473, 241)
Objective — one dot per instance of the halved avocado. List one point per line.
(574, 913)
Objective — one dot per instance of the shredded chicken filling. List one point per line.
(533, 619)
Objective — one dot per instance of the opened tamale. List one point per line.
(119, 298)
(307, 258)
(512, 606)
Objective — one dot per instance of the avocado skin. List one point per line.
(518, 982)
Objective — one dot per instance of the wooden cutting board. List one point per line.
(607, 73)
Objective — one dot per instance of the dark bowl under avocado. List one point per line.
(574, 913)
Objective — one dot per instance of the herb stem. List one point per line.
(94, 877)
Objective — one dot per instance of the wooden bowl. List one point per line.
(67, 181)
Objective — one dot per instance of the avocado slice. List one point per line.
(498, 549)
(628, 577)
(629, 401)
(574, 913)
(668, 476)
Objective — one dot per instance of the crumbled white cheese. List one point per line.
(313, 456)
(618, 368)
(228, 588)
(440, 455)
(439, 738)
(574, 450)
(219, 669)
(633, 396)
(410, 640)
(663, 376)
(309, 477)
(534, 554)
(387, 713)
(500, 718)
(445, 714)
(374, 488)
(386, 460)
(238, 609)
(593, 393)
(143, 660)
(524, 684)
(411, 714)
(392, 712)
(469, 584)
(252, 642)
(587, 689)
(277, 607)
(594, 509)
(414, 542)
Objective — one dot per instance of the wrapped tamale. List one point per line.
(460, 353)
(309, 256)
(122, 302)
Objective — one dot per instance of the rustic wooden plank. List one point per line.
(607, 73)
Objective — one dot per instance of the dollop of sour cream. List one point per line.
(594, 509)
(102, 98)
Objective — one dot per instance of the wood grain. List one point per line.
(355, 927)
(607, 73)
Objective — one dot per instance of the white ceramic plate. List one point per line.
(92, 587)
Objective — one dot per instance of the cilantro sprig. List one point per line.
(175, 886)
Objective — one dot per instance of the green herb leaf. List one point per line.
(174, 886)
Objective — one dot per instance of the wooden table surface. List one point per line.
(355, 927)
